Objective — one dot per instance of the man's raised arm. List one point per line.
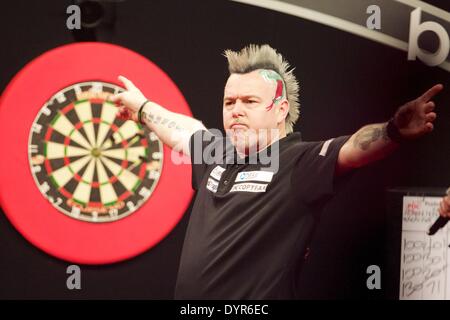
(376, 141)
(173, 129)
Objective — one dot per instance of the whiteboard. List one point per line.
(423, 273)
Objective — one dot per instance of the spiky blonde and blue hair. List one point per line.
(254, 57)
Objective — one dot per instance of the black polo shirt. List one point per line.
(251, 222)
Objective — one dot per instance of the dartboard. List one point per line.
(88, 163)
(76, 181)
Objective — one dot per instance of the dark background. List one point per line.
(346, 82)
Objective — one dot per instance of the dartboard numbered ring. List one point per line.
(77, 181)
(87, 162)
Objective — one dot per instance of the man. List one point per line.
(250, 226)
(444, 206)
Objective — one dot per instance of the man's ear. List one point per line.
(282, 110)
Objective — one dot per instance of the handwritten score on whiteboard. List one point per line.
(423, 274)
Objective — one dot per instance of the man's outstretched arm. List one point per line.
(375, 141)
(173, 129)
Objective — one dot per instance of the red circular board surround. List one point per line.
(25, 206)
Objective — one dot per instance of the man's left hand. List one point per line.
(415, 118)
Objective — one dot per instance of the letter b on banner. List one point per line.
(415, 29)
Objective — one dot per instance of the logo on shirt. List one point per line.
(264, 176)
(216, 173)
(241, 184)
(212, 185)
(249, 187)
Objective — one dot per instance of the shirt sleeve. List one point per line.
(198, 142)
(313, 179)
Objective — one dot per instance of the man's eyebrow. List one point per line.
(242, 97)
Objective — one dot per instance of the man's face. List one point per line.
(249, 108)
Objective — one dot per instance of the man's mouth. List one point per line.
(238, 126)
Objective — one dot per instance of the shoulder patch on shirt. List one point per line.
(264, 176)
(249, 187)
(325, 146)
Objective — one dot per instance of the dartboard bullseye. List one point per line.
(88, 163)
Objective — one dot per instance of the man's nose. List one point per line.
(238, 109)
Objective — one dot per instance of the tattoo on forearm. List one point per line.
(151, 118)
(369, 134)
